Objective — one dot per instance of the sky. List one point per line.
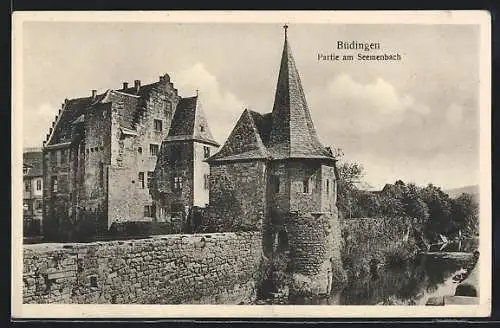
(416, 119)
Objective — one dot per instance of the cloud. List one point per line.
(362, 107)
(221, 107)
(36, 123)
(455, 114)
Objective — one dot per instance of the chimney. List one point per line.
(94, 94)
(137, 84)
(125, 85)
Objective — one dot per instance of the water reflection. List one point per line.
(410, 284)
(468, 246)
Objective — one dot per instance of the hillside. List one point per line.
(455, 192)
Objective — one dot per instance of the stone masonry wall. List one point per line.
(238, 194)
(314, 242)
(203, 268)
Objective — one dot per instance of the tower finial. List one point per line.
(285, 27)
(197, 92)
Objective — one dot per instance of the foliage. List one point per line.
(465, 212)
(434, 212)
(398, 254)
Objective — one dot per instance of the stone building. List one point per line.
(273, 171)
(32, 191)
(182, 175)
(100, 157)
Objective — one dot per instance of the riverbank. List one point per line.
(462, 289)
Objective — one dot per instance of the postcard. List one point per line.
(280, 164)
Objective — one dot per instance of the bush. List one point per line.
(399, 254)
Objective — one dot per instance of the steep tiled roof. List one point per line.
(245, 140)
(285, 133)
(292, 134)
(264, 124)
(73, 108)
(34, 160)
(189, 122)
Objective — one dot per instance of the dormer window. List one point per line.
(202, 128)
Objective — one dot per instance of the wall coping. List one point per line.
(48, 247)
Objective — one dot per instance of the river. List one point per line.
(430, 274)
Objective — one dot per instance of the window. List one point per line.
(176, 183)
(27, 185)
(168, 107)
(38, 204)
(139, 150)
(150, 179)
(158, 125)
(274, 180)
(141, 179)
(53, 157)
(147, 210)
(153, 150)
(38, 184)
(305, 184)
(207, 181)
(202, 128)
(54, 184)
(63, 156)
(327, 186)
(25, 170)
(206, 151)
(101, 174)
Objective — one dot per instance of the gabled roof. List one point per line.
(72, 110)
(34, 161)
(245, 141)
(190, 123)
(292, 134)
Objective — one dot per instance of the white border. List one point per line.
(481, 18)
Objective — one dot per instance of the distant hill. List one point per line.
(455, 192)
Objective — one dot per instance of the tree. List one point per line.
(349, 175)
(465, 214)
(413, 204)
(439, 205)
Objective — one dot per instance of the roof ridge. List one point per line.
(261, 147)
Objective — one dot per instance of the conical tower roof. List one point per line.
(292, 133)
